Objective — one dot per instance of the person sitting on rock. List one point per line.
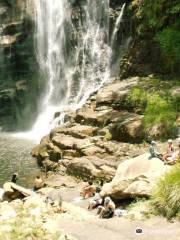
(106, 211)
(175, 157)
(96, 200)
(38, 183)
(170, 151)
(153, 151)
(88, 191)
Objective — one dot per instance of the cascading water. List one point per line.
(74, 56)
(117, 24)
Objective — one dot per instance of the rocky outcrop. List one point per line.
(96, 138)
(135, 178)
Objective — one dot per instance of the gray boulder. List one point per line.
(135, 177)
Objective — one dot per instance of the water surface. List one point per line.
(15, 157)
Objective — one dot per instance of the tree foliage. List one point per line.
(159, 20)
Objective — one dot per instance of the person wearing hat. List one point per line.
(106, 211)
(153, 151)
(170, 151)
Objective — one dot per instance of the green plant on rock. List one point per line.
(137, 98)
(160, 112)
(166, 197)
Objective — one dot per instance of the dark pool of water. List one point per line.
(15, 157)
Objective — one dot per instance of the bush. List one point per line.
(137, 98)
(162, 113)
(166, 197)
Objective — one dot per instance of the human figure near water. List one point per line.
(171, 160)
(170, 151)
(96, 200)
(88, 190)
(38, 183)
(14, 177)
(108, 209)
(154, 152)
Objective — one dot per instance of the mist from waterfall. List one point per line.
(74, 57)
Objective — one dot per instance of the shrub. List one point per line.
(166, 197)
(137, 98)
(162, 113)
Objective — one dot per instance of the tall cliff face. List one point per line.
(18, 83)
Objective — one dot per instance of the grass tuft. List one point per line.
(166, 197)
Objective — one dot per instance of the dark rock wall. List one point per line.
(18, 67)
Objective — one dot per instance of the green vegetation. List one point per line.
(159, 108)
(161, 113)
(167, 194)
(169, 40)
(137, 98)
(158, 24)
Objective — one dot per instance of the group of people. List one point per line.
(171, 156)
(105, 206)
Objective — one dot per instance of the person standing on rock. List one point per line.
(14, 177)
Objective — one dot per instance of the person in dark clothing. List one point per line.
(14, 177)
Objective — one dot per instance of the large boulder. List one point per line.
(116, 91)
(135, 178)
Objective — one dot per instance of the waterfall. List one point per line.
(117, 24)
(73, 55)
